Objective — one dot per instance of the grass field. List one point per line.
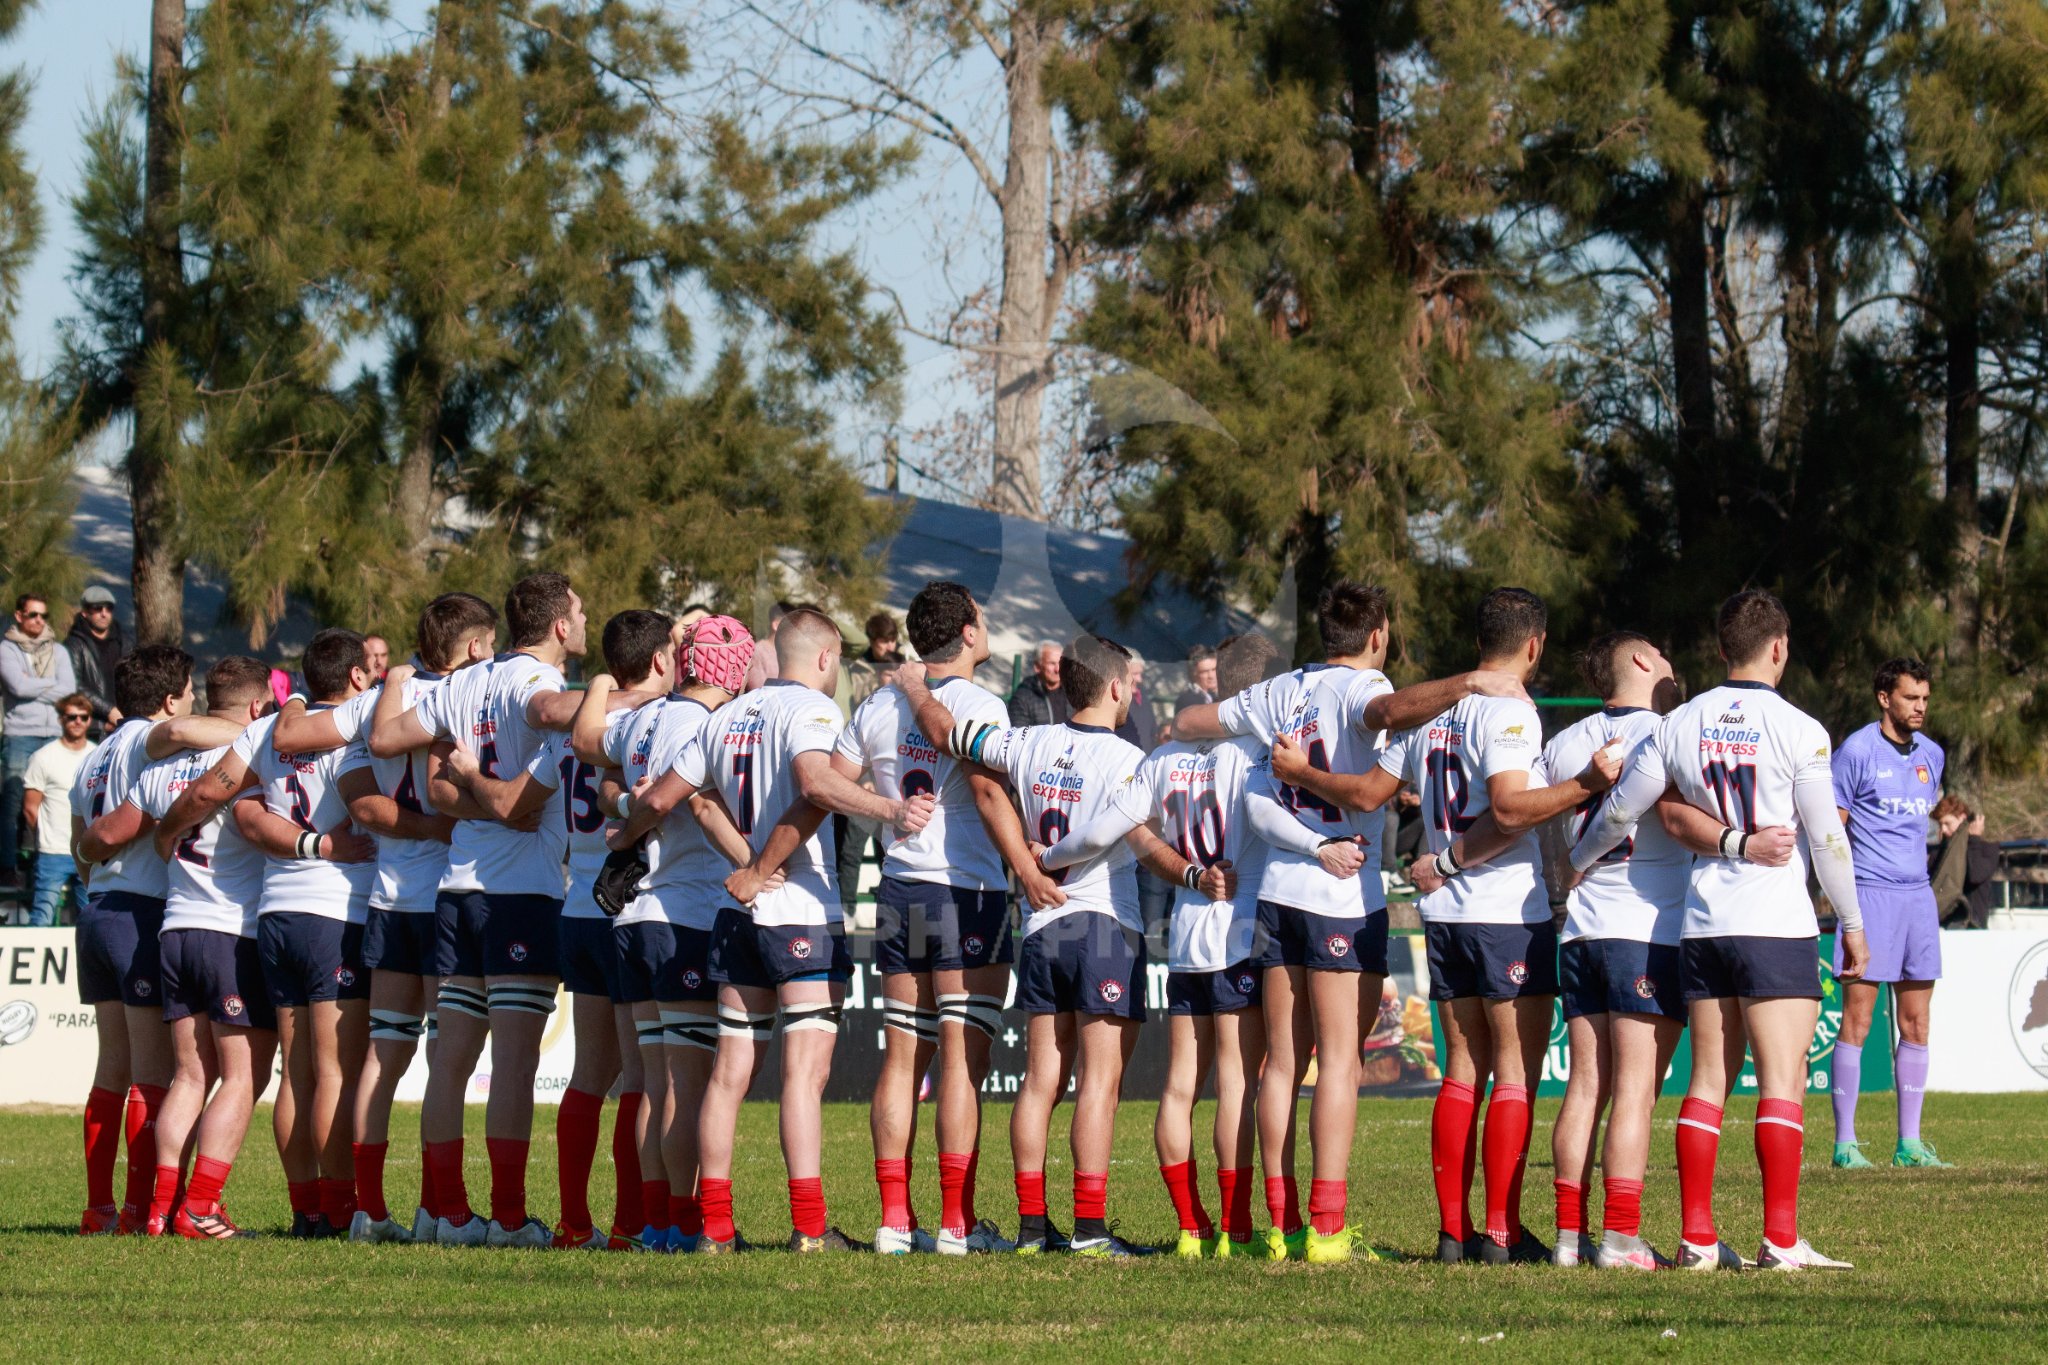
(1950, 1267)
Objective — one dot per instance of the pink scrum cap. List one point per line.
(717, 651)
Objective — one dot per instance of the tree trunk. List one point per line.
(1358, 20)
(417, 501)
(1692, 363)
(158, 573)
(1962, 435)
(1024, 321)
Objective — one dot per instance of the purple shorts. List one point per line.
(1904, 931)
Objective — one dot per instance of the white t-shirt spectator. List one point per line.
(51, 770)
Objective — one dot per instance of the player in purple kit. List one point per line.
(1887, 779)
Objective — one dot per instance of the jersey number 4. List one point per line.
(1299, 799)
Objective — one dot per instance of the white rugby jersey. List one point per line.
(483, 707)
(1197, 793)
(1065, 775)
(305, 789)
(104, 781)
(954, 849)
(1328, 722)
(685, 881)
(583, 821)
(216, 876)
(409, 871)
(748, 751)
(1750, 759)
(1638, 890)
(1449, 761)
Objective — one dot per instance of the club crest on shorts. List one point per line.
(1245, 983)
(144, 987)
(1336, 945)
(972, 945)
(1110, 991)
(692, 978)
(517, 952)
(1645, 988)
(344, 976)
(232, 1006)
(800, 947)
(1518, 972)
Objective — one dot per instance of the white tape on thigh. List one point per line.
(820, 1017)
(685, 1029)
(396, 1026)
(433, 1025)
(463, 1000)
(520, 998)
(904, 1017)
(649, 1032)
(741, 1024)
(985, 1012)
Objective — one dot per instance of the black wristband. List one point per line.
(1191, 876)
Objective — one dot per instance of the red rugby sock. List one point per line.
(807, 1205)
(953, 1191)
(1505, 1142)
(1182, 1188)
(1326, 1201)
(103, 1117)
(1452, 1128)
(1780, 1136)
(1699, 1143)
(369, 1158)
(578, 1123)
(892, 1178)
(717, 1197)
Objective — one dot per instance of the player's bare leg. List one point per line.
(657, 1108)
(689, 1048)
(1333, 1110)
(970, 1014)
(630, 1124)
(519, 1010)
(907, 1053)
(1289, 1037)
(1571, 1141)
(1520, 1029)
(746, 1021)
(151, 1064)
(1240, 1051)
(194, 1070)
(1454, 1124)
(1640, 1046)
(1718, 1044)
(1050, 1047)
(463, 1027)
(1780, 1031)
(328, 1039)
(1104, 1045)
(294, 1121)
(399, 1002)
(810, 1033)
(105, 1108)
(579, 1117)
(242, 1055)
(1190, 1055)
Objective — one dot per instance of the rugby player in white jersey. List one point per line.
(1197, 797)
(769, 757)
(1323, 943)
(1743, 754)
(223, 1028)
(1492, 945)
(118, 965)
(498, 907)
(942, 923)
(662, 930)
(388, 798)
(1081, 974)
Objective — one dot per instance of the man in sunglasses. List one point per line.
(47, 802)
(97, 643)
(35, 674)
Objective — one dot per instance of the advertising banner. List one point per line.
(1990, 1016)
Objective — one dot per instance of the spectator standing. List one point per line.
(35, 672)
(1038, 699)
(1963, 866)
(46, 801)
(883, 653)
(377, 655)
(1201, 689)
(96, 643)
(1140, 727)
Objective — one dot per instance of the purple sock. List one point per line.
(1911, 1065)
(1847, 1080)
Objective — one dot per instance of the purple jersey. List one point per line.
(1889, 796)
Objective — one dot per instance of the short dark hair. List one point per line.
(937, 615)
(533, 606)
(28, 597)
(1347, 614)
(234, 681)
(1750, 620)
(446, 622)
(1201, 652)
(1597, 661)
(1508, 619)
(631, 640)
(1891, 670)
(1243, 661)
(330, 657)
(1086, 666)
(881, 627)
(146, 677)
